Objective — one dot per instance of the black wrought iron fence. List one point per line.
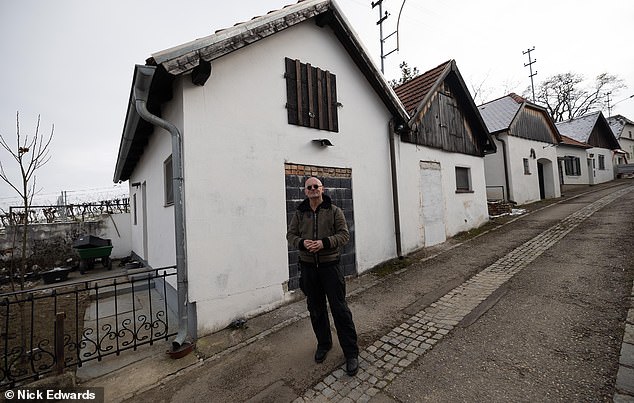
(51, 329)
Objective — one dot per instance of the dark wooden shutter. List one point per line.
(291, 92)
(311, 96)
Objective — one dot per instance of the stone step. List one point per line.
(121, 289)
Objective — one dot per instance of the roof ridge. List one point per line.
(426, 73)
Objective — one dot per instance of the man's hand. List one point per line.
(313, 246)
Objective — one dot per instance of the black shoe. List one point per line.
(352, 366)
(320, 354)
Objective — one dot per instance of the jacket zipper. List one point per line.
(315, 232)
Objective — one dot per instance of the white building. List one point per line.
(440, 162)
(593, 130)
(524, 169)
(573, 169)
(259, 107)
(623, 129)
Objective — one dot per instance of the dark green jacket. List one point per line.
(327, 223)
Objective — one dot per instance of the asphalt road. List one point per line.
(552, 331)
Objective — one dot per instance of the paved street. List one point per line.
(389, 356)
(533, 310)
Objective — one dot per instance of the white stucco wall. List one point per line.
(627, 142)
(494, 173)
(462, 211)
(568, 151)
(116, 227)
(524, 188)
(160, 217)
(606, 174)
(237, 140)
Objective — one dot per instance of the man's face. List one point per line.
(313, 188)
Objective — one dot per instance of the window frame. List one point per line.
(469, 185)
(527, 166)
(134, 210)
(601, 159)
(572, 166)
(168, 182)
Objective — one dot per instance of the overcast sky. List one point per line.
(71, 61)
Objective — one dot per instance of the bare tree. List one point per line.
(566, 97)
(30, 153)
(483, 92)
(407, 74)
(480, 92)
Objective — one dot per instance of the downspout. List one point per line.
(506, 169)
(143, 80)
(397, 216)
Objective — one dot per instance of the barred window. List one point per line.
(311, 96)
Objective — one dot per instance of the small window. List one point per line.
(311, 96)
(527, 167)
(134, 209)
(630, 133)
(601, 162)
(572, 166)
(463, 180)
(169, 183)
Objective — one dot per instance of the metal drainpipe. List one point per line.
(506, 169)
(144, 75)
(397, 217)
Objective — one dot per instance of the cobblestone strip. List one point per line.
(387, 357)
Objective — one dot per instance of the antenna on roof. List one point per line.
(383, 17)
(530, 66)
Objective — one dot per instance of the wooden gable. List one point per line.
(442, 124)
(602, 135)
(445, 116)
(534, 124)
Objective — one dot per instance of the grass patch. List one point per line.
(391, 266)
(463, 236)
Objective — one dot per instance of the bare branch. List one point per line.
(32, 153)
(565, 97)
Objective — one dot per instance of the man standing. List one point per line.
(319, 230)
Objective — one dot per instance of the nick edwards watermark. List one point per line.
(95, 395)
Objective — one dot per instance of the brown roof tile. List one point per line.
(572, 142)
(414, 91)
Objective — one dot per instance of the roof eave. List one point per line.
(430, 93)
(489, 146)
(367, 66)
(183, 58)
(129, 128)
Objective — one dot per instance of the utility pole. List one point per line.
(618, 102)
(530, 66)
(382, 17)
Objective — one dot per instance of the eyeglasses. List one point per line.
(313, 187)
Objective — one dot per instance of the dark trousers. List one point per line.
(327, 282)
